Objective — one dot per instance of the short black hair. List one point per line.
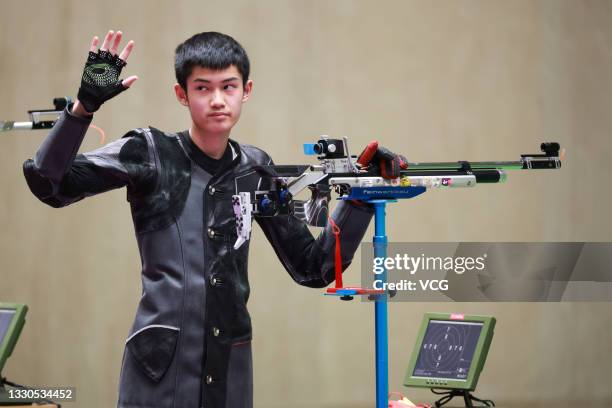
(210, 50)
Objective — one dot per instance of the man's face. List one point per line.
(214, 98)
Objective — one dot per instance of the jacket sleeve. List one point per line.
(310, 261)
(59, 176)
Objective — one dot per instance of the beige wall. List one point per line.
(436, 80)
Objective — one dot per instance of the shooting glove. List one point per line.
(382, 160)
(100, 80)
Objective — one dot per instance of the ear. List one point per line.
(248, 88)
(181, 95)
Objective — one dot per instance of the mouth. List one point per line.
(218, 114)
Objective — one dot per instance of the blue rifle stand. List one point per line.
(380, 307)
(378, 198)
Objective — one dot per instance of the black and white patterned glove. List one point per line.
(100, 81)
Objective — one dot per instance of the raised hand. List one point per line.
(100, 81)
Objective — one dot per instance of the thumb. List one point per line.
(127, 82)
(368, 153)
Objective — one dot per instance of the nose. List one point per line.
(217, 101)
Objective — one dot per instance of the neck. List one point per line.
(212, 144)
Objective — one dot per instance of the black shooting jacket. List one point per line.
(189, 345)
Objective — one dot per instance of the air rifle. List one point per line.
(39, 118)
(339, 171)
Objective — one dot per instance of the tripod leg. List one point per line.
(468, 399)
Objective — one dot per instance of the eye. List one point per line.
(201, 88)
(230, 86)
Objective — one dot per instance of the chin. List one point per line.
(217, 129)
(212, 127)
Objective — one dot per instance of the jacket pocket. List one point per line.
(153, 348)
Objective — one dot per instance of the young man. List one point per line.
(189, 346)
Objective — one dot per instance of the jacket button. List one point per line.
(216, 331)
(209, 379)
(211, 233)
(214, 281)
(211, 190)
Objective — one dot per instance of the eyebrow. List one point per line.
(208, 82)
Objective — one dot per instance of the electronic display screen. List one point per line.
(447, 349)
(6, 316)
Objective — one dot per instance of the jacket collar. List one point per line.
(231, 156)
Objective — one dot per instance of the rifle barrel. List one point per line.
(527, 162)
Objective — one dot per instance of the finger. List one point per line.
(368, 153)
(127, 82)
(94, 44)
(116, 42)
(107, 40)
(126, 51)
(385, 153)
